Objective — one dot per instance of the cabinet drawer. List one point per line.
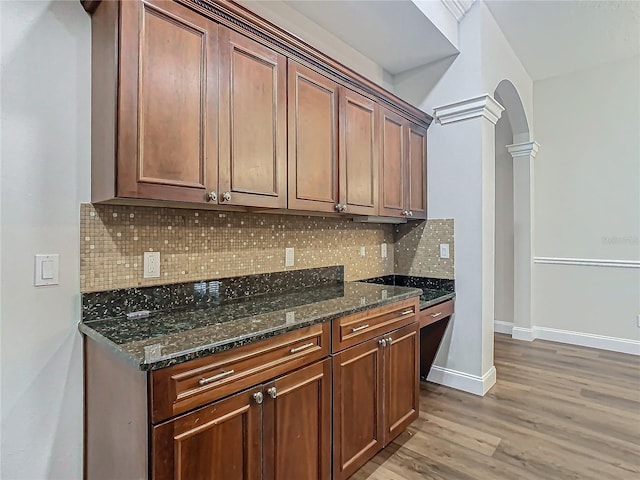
(188, 385)
(435, 313)
(359, 327)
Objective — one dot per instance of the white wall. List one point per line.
(587, 199)
(44, 175)
(286, 17)
(504, 222)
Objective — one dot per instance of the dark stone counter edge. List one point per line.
(429, 303)
(223, 345)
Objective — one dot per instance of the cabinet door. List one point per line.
(219, 441)
(417, 170)
(401, 381)
(167, 109)
(297, 425)
(393, 182)
(313, 140)
(253, 135)
(358, 153)
(357, 407)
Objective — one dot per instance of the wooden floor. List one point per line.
(556, 412)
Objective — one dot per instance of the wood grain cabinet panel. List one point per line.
(313, 140)
(417, 171)
(297, 420)
(220, 441)
(358, 153)
(401, 388)
(253, 135)
(392, 167)
(167, 107)
(357, 407)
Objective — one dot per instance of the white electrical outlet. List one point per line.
(444, 250)
(151, 264)
(383, 250)
(363, 251)
(288, 257)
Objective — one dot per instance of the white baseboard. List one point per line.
(526, 334)
(502, 327)
(463, 381)
(602, 342)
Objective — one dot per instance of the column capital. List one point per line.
(526, 149)
(483, 106)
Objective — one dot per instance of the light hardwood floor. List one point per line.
(556, 412)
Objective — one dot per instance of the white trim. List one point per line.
(502, 327)
(602, 342)
(458, 8)
(526, 149)
(525, 334)
(592, 262)
(483, 106)
(463, 381)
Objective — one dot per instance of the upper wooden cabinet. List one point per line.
(204, 102)
(253, 126)
(358, 155)
(403, 184)
(313, 140)
(155, 102)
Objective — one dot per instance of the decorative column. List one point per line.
(462, 152)
(523, 205)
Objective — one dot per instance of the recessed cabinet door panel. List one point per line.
(252, 123)
(417, 163)
(297, 431)
(357, 407)
(219, 441)
(358, 153)
(401, 360)
(313, 140)
(168, 102)
(393, 169)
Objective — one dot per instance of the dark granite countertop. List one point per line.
(432, 296)
(169, 337)
(434, 290)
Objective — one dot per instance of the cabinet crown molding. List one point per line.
(482, 106)
(458, 8)
(525, 149)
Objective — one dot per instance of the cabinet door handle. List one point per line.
(226, 196)
(302, 347)
(212, 196)
(338, 207)
(383, 342)
(407, 312)
(258, 397)
(204, 381)
(273, 393)
(344, 208)
(389, 341)
(405, 213)
(436, 315)
(361, 327)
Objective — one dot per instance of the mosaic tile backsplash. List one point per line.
(197, 245)
(417, 249)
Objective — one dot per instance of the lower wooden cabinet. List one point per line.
(278, 430)
(375, 396)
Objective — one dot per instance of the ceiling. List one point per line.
(558, 37)
(372, 28)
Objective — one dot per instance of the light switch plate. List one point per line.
(363, 251)
(383, 250)
(151, 265)
(288, 257)
(444, 250)
(47, 270)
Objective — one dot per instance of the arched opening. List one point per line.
(513, 215)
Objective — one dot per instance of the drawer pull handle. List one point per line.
(407, 312)
(303, 347)
(361, 327)
(435, 315)
(204, 381)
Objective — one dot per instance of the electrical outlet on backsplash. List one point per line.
(417, 248)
